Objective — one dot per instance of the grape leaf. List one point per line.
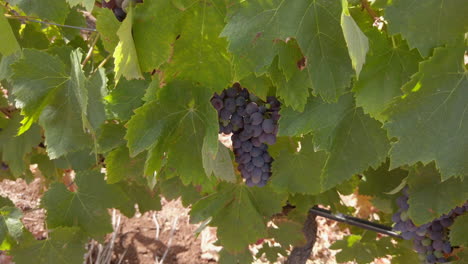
(55, 10)
(219, 164)
(88, 4)
(140, 195)
(65, 245)
(15, 148)
(110, 136)
(33, 37)
(271, 253)
(429, 198)
(183, 120)
(253, 30)
(59, 101)
(125, 98)
(238, 207)
(430, 121)
(353, 140)
(74, 18)
(125, 54)
(199, 53)
(107, 26)
(78, 160)
(353, 248)
(299, 172)
(96, 87)
(226, 257)
(437, 22)
(386, 69)
(173, 188)
(459, 230)
(257, 85)
(9, 45)
(358, 44)
(10, 223)
(378, 182)
(47, 167)
(86, 208)
(120, 166)
(288, 233)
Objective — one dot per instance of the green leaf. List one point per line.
(9, 45)
(378, 182)
(226, 257)
(125, 54)
(254, 29)
(110, 136)
(353, 140)
(288, 233)
(10, 223)
(271, 253)
(47, 167)
(299, 172)
(54, 10)
(386, 69)
(125, 98)
(437, 22)
(183, 121)
(430, 121)
(74, 18)
(259, 86)
(107, 26)
(120, 166)
(59, 101)
(96, 87)
(33, 37)
(64, 246)
(219, 164)
(88, 4)
(353, 248)
(15, 148)
(459, 230)
(86, 208)
(140, 195)
(429, 198)
(231, 207)
(173, 188)
(79, 160)
(357, 42)
(199, 53)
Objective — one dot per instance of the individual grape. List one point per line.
(431, 258)
(267, 158)
(270, 139)
(217, 103)
(257, 173)
(244, 158)
(262, 109)
(447, 222)
(119, 14)
(249, 182)
(257, 131)
(257, 118)
(244, 93)
(265, 176)
(258, 162)
(436, 226)
(250, 166)
(447, 248)
(255, 152)
(224, 114)
(438, 244)
(256, 142)
(246, 146)
(266, 167)
(227, 129)
(268, 125)
(251, 108)
(240, 110)
(407, 235)
(402, 203)
(231, 92)
(230, 104)
(240, 101)
(256, 178)
(237, 120)
(263, 137)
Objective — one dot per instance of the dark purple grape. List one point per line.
(266, 167)
(231, 92)
(244, 158)
(236, 144)
(257, 118)
(224, 114)
(258, 161)
(244, 93)
(447, 248)
(446, 222)
(249, 182)
(240, 110)
(268, 125)
(263, 147)
(256, 142)
(270, 139)
(459, 210)
(257, 131)
(240, 101)
(396, 217)
(438, 244)
(436, 235)
(263, 137)
(230, 104)
(217, 103)
(265, 176)
(246, 146)
(262, 109)
(251, 108)
(250, 166)
(255, 152)
(119, 14)
(256, 178)
(275, 116)
(237, 120)
(407, 235)
(227, 129)
(436, 226)
(431, 258)
(257, 173)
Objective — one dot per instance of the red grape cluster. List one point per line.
(430, 240)
(254, 125)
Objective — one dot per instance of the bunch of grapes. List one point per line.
(254, 125)
(431, 239)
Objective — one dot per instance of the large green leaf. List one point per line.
(125, 98)
(429, 198)
(386, 69)
(120, 166)
(428, 24)
(253, 30)
(219, 163)
(353, 140)
(15, 148)
(60, 101)
(378, 182)
(86, 208)
(9, 44)
(182, 121)
(459, 230)
(430, 121)
(299, 172)
(239, 212)
(64, 245)
(55, 10)
(107, 25)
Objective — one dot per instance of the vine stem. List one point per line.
(102, 63)
(25, 18)
(90, 51)
(365, 5)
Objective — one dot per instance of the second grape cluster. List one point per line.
(254, 125)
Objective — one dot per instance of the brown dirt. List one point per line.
(135, 240)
